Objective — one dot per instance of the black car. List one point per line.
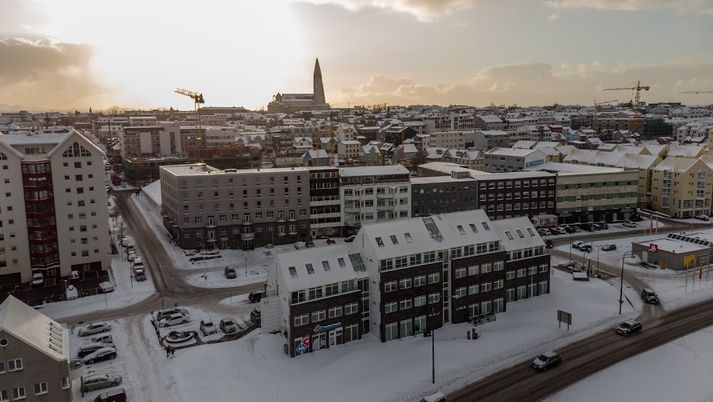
(100, 356)
(549, 243)
(649, 296)
(627, 328)
(117, 395)
(588, 227)
(255, 297)
(587, 248)
(609, 247)
(230, 273)
(546, 361)
(255, 316)
(570, 229)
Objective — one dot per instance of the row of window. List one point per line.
(517, 183)
(477, 288)
(321, 315)
(529, 271)
(40, 388)
(433, 256)
(321, 291)
(407, 283)
(403, 328)
(484, 268)
(405, 304)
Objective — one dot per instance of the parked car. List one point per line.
(89, 348)
(309, 244)
(543, 232)
(598, 226)
(161, 314)
(75, 364)
(609, 247)
(100, 355)
(649, 296)
(255, 297)
(549, 243)
(106, 287)
(349, 239)
(629, 224)
(117, 395)
(208, 328)
(99, 381)
(106, 338)
(38, 279)
(255, 316)
(300, 245)
(173, 319)
(331, 241)
(627, 328)
(569, 229)
(124, 241)
(269, 245)
(588, 227)
(577, 244)
(546, 361)
(131, 256)
(703, 218)
(436, 397)
(71, 293)
(230, 273)
(228, 326)
(96, 328)
(587, 248)
(138, 262)
(140, 275)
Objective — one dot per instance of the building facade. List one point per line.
(324, 202)
(682, 187)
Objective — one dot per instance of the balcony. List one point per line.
(385, 195)
(281, 219)
(385, 207)
(352, 210)
(292, 219)
(247, 223)
(247, 236)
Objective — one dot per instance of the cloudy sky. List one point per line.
(88, 53)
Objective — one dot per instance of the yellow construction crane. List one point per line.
(705, 91)
(637, 92)
(197, 101)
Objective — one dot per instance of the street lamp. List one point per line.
(599, 247)
(621, 284)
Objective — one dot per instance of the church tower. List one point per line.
(318, 89)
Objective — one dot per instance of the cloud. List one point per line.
(537, 83)
(424, 10)
(46, 73)
(700, 6)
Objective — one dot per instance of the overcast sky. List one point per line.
(82, 53)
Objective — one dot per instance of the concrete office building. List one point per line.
(53, 215)
(207, 208)
(499, 160)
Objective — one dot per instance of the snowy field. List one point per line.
(685, 366)
(245, 370)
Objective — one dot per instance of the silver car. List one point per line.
(96, 328)
(99, 381)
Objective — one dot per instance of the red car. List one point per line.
(331, 241)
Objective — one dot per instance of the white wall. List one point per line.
(14, 249)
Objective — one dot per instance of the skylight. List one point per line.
(293, 272)
(379, 242)
(394, 240)
(460, 229)
(408, 237)
(341, 262)
(519, 233)
(509, 235)
(310, 268)
(357, 262)
(325, 265)
(531, 232)
(485, 226)
(473, 228)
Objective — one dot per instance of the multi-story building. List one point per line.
(373, 194)
(592, 193)
(489, 122)
(512, 159)
(349, 149)
(682, 187)
(53, 215)
(34, 355)
(489, 139)
(450, 139)
(324, 203)
(440, 194)
(205, 207)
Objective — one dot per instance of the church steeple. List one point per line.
(318, 87)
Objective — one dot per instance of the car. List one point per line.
(116, 395)
(577, 244)
(106, 338)
(549, 243)
(255, 297)
(629, 224)
(255, 316)
(609, 247)
(100, 381)
(74, 275)
(300, 245)
(208, 328)
(543, 232)
(649, 296)
(597, 226)
(124, 241)
(137, 263)
(75, 364)
(546, 361)
(96, 328)
(627, 328)
(269, 245)
(588, 227)
(569, 229)
(349, 239)
(106, 287)
(309, 244)
(38, 279)
(71, 292)
(131, 256)
(554, 231)
(435, 397)
(140, 275)
(331, 241)
(230, 273)
(173, 319)
(100, 355)
(228, 326)
(587, 248)
(170, 311)
(703, 218)
(89, 348)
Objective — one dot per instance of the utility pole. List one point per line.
(621, 281)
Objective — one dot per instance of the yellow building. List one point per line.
(682, 187)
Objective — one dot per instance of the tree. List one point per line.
(419, 158)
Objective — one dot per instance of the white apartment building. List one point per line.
(373, 194)
(512, 159)
(53, 214)
(450, 139)
(350, 149)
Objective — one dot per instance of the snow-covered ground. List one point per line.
(248, 369)
(642, 227)
(680, 370)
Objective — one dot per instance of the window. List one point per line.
(461, 272)
(335, 312)
(405, 304)
(41, 388)
(310, 269)
(498, 265)
(341, 262)
(390, 286)
(473, 289)
(66, 383)
(298, 296)
(14, 365)
(408, 237)
(486, 268)
(434, 298)
(18, 393)
(325, 265)
(315, 293)
(4, 396)
(509, 275)
(498, 284)
(302, 319)
(320, 315)
(351, 308)
(473, 270)
(394, 240)
(486, 286)
(331, 289)
(390, 308)
(293, 272)
(379, 242)
(460, 292)
(434, 278)
(419, 280)
(419, 301)
(391, 331)
(2, 367)
(405, 283)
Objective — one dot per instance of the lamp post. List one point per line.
(599, 247)
(621, 279)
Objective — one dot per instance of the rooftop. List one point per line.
(198, 169)
(34, 328)
(373, 170)
(573, 169)
(317, 266)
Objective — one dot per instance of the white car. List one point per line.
(437, 397)
(300, 245)
(106, 287)
(71, 293)
(173, 319)
(38, 279)
(96, 328)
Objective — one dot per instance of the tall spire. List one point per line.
(318, 90)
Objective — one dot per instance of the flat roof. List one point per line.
(574, 169)
(199, 169)
(372, 170)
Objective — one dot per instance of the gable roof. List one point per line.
(34, 328)
(328, 265)
(522, 233)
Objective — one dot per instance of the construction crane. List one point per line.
(637, 92)
(705, 91)
(197, 101)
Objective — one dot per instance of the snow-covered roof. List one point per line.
(674, 246)
(436, 232)
(524, 144)
(317, 266)
(34, 328)
(676, 164)
(511, 152)
(372, 171)
(564, 169)
(517, 233)
(34, 139)
(686, 151)
(153, 191)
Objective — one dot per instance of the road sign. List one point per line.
(564, 317)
